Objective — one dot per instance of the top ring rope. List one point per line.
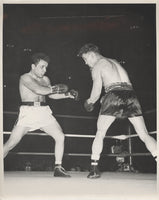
(57, 115)
(73, 116)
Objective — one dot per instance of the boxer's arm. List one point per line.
(61, 96)
(60, 91)
(34, 86)
(97, 86)
(72, 94)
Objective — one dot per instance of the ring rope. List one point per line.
(57, 115)
(119, 137)
(74, 116)
(80, 154)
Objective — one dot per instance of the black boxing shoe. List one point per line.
(59, 171)
(94, 172)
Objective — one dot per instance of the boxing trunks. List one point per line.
(35, 116)
(120, 101)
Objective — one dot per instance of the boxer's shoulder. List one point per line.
(25, 77)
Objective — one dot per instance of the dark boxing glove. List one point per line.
(59, 89)
(75, 94)
(88, 106)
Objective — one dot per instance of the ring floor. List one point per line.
(111, 186)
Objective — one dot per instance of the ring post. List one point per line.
(130, 148)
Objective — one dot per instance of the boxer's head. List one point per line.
(39, 56)
(89, 54)
(88, 48)
(39, 64)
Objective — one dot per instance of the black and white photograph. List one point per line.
(79, 101)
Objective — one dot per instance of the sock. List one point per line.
(57, 165)
(155, 157)
(94, 162)
(154, 154)
(57, 162)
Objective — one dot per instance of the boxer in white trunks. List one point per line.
(34, 113)
(119, 101)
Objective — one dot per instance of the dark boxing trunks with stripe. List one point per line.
(120, 101)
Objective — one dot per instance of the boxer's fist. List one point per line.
(59, 89)
(74, 93)
(88, 106)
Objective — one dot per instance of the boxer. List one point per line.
(119, 101)
(34, 112)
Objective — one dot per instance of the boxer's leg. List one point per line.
(141, 130)
(55, 131)
(17, 133)
(103, 123)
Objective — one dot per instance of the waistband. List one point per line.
(119, 85)
(34, 103)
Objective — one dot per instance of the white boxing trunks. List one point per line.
(35, 117)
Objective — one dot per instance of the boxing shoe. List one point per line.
(94, 172)
(59, 171)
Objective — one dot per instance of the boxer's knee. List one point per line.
(11, 143)
(143, 136)
(60, 137)
(100, 134)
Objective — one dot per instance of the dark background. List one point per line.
(126, 32)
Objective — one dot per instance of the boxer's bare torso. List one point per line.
(28, 86)
(109, 71)
(105, 72)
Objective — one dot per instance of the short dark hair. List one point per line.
(39, 56)
(87, 48)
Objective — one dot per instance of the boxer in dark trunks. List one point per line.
(119, 101)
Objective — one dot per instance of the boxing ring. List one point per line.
(43, 185)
